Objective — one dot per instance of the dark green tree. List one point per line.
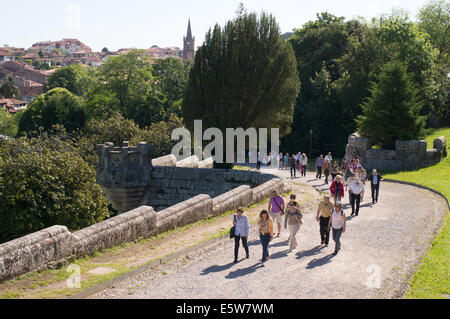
(244, 75)
(9, 90)
(392, 112)
(57, 106)
(319, 45)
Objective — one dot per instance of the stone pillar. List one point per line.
(124, 173)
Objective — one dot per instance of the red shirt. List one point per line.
(334, 187)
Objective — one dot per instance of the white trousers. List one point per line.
(293, 229)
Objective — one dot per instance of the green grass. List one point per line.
(432, 279)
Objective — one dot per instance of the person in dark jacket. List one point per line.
(293, 166)
(374, 180)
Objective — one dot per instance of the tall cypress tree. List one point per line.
(392, 112)
(244, 75)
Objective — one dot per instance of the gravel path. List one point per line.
(380, 251)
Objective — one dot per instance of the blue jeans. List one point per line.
(337, 239)
(265, 240)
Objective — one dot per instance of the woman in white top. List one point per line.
(338, 223)
(304, 162)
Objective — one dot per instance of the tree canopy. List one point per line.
(244, 75)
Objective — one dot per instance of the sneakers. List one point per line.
(235, 261)
(247, 257)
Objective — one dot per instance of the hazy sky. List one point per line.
(143, 23)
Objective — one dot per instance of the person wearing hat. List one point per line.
(374, 180)
(323, 217)
(356, 195)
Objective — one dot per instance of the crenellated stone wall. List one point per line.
(129, 179)
(407, 155)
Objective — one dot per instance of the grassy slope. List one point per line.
(432, 279)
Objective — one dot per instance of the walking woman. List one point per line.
(265, 224)
(304, 162)
(286, 161)
(334, 170)
(337, 223)
(326, 170)
(292, 221)
(242, 229)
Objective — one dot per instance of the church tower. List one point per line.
(189, 44)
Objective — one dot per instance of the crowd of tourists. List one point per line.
(346, 177)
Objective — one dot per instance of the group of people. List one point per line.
(295, 162)
(349, 177)
(330, 218)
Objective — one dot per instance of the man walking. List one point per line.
(319, 164)
(329, 157)
(293, 166)
(276, 209)
(374, 180)
(242, 229)
(337, 189)
(323, 217)
(349, 180)
(356, 195)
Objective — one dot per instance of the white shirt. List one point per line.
(336, 219)
(304, 161)
(356, 188)
(328, 158)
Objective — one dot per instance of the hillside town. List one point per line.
(30, 68)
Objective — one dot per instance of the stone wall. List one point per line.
(56, 245)
(408, 155)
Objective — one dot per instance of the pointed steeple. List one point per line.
(189, 44)
(189, 32)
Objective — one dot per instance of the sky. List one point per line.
(141, 24)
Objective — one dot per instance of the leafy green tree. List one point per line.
(172, 77)
(244, 75)
(57, 106)
(392, 112)
(9, 123)
(41, 186)
(126, 84)
(9, 90)
(434, 19)
(74, 78)
(128, 76)
(319, 46)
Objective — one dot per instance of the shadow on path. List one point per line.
(319, 262)
(279, 244)
(216, 268)
(280, 254)
(311, 252)
(243, 271)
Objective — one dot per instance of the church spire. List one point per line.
(189, 32)
(189, 44)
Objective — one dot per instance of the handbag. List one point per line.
(233, 229)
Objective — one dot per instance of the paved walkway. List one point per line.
(380, 251)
